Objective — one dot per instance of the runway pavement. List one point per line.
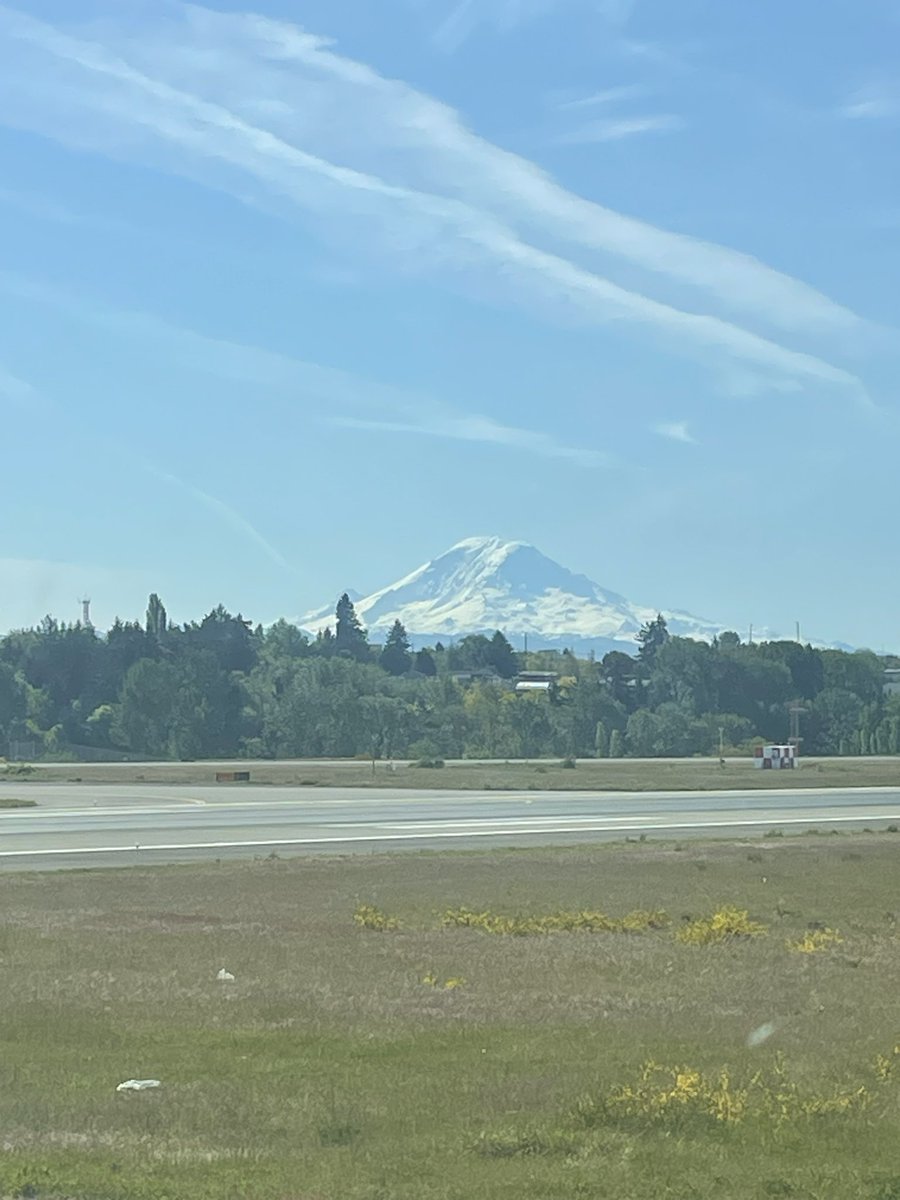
(80, 825)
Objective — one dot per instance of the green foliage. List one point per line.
(220, 687)
(157, 619)
(349, 636)
(424, 664)
(395, 657)
(502, 657)
(601, 741)
(651, 638)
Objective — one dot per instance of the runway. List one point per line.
(82, 825)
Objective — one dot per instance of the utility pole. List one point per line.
(751, 635)
(798, 631)
(796, 710)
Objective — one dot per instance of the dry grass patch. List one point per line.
(690, 774)
(340, 1064)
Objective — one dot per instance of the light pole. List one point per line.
(796, 710)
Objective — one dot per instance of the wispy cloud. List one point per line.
(474, 428)
(613, 95)
(313, 386)
(463, 17)
(675, 431)
(447, 198)
(230, 516)
(614, 129)
(872, 103)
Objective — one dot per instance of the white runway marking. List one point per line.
(471, 831)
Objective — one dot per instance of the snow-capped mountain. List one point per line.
(482, 584)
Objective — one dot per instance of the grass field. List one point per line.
(589, 775)
(339, 1066)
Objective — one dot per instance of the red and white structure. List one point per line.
(775, 758)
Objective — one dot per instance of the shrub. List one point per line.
(367, 916)
(815, 940)
(449, 985)
(724, 925)
(584, 921)
(18, 770)
(569, 764)
(672, 1096)
(428, 763)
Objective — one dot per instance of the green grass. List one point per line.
(16, 802)
(689, 774)
(330, 1071)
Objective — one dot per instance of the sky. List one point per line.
(295, 296)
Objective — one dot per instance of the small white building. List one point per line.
(892, 681)
(536, 681)
(775, 758)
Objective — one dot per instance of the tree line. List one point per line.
(222, 687)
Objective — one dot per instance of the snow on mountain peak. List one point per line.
(484, 583)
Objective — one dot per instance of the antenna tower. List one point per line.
(86, 612)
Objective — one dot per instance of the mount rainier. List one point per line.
(482, 584)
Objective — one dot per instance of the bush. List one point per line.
(816, 940)
(569, 764)
(674, 1096)
(18, 770)
(724, 925)
(367, 916)
(584, 921)
(428, 763)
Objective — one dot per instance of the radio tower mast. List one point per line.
(86, 613)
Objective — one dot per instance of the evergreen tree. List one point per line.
(424, 663)
(349, 636)
(157, 618)
(228, 638)
(618, 670)
(615, 744)
(395, 657)
(323, 646)
(502, 657)
(652, 636)
(601, 741)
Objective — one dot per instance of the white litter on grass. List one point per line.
(225, 976)
(138, 1085)
(761, 1034)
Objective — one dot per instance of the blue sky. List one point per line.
(293, 299)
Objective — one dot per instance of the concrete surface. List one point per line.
(79, 825)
